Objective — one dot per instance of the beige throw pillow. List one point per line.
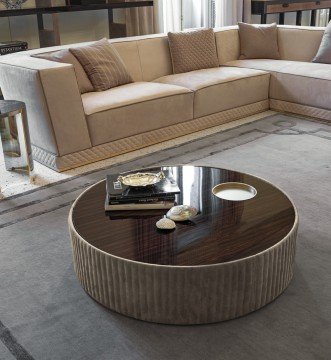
(324, 52)
(65, 56)
(193, 50)
(258, 41)
(102, 64)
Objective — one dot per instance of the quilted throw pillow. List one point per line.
(102, 64)
(324, 52)
(258, 41)
(193, 50)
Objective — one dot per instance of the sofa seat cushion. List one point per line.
(135, 108)
(295, 81)
(222, 88)
(260, 64)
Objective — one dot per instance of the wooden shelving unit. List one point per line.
(51, 37)
(281, 7)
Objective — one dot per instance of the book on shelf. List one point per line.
(9, 47)
(158, 196)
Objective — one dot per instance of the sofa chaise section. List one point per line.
(292, 83)
(296, 84)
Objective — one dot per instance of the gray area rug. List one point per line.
(45, 314)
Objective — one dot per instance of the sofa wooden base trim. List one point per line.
(118, 147)
(305, 110)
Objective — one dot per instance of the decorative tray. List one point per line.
(141, 179)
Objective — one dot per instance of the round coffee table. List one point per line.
(233, 258)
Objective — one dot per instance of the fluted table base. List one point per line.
(184, 294)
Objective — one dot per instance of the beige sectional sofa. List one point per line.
(69, 129)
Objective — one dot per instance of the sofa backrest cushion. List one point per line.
(65, 56)
(146, 57)
(324, 52)
(227, 44)
(102, 64)
(299, 43)
(155, 59)
(128, 51)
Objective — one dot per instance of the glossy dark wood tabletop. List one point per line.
(222, 231)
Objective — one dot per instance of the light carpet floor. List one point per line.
(45, 313)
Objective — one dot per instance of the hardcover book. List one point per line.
(148, 200)
(87, 2)
(152, 205)
(136, 214)
(10, 47)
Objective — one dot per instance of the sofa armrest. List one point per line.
(50, 91)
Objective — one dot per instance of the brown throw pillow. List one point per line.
(324, 52)
(102, 64)
(193, 50)
(65, 56)
(258, 41)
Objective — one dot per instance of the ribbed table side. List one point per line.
(184, 295)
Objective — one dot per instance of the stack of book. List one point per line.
(122, 197)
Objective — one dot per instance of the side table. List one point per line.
(15, 138)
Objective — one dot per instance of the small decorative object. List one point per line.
(141, 179)
(165, 224)
(181, 212)
(13, 4)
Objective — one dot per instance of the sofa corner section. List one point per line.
(55, 112)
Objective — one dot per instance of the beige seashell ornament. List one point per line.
(181, 212)
(165, 224)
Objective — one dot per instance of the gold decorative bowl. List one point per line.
(141, 179)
